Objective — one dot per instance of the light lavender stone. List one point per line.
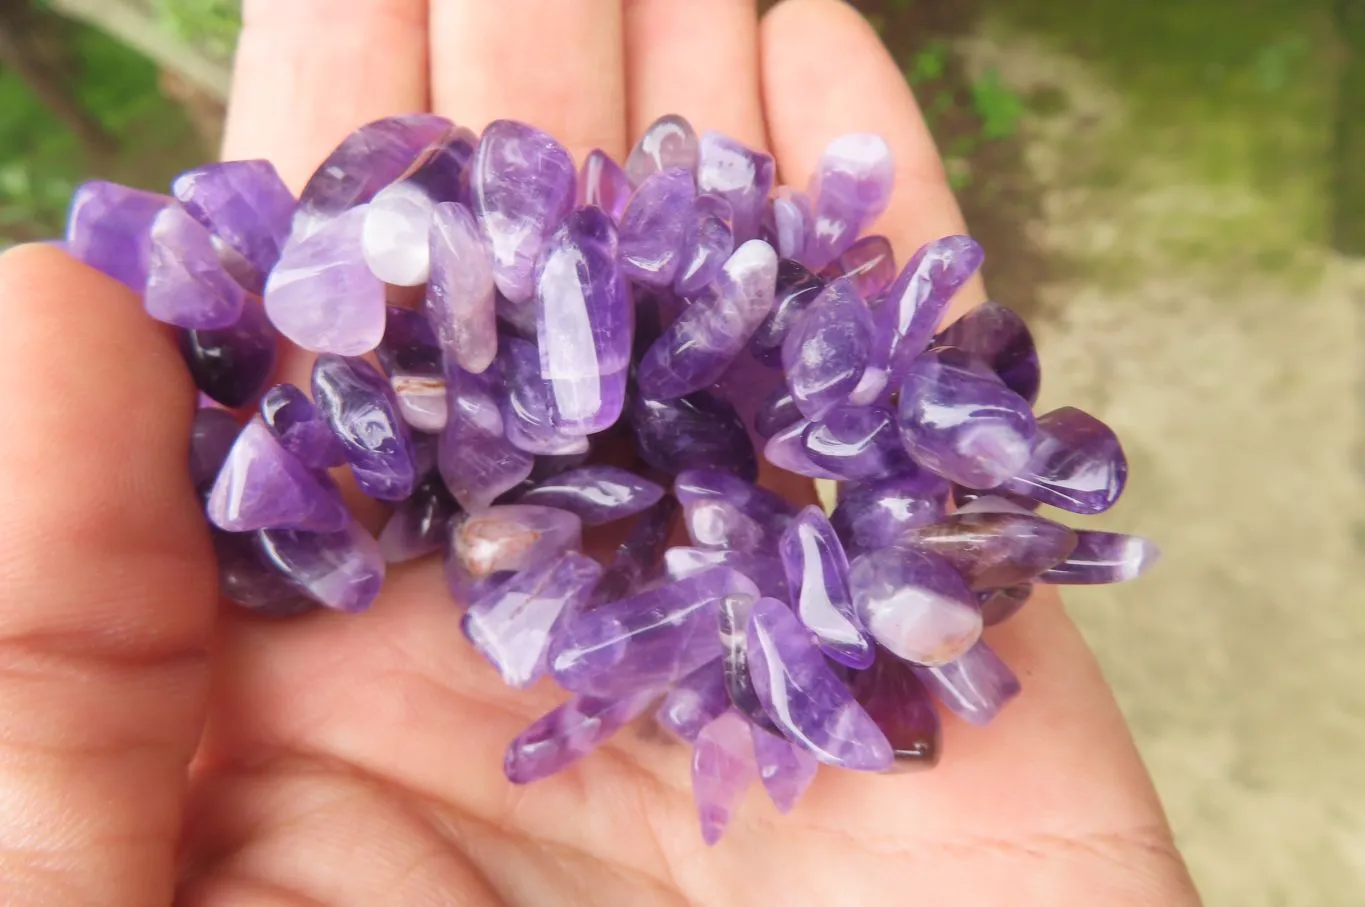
(785, 769)
(341, 570)
(109, 228)
(741, 176)
(261, 486)
(851, 186)
(914, 604)
(974, 687)
(186, 284)
(247, 207)
(723, 767)
(476, 460)
(668, 142)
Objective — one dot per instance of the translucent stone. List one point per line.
(528, 407)
(584, 323)
(914, 604)
(901, 706)
(261, 486)
(787, 450)
(851, 186)
(869, 263)
(785, 769)
(990, 550)
(723, 511)
(789, 221)
(342, 570)
(764, 570)
(654, 227)
(186, 284)
(508, 538)
(638, 557)
(873, 514)
(1077, 464)
(713, 330)
(419, 525)
(733, 625)
(109, 228)
(411, 358)
(959, 420)
(246, 578)
(476, 460)
(741, 176)
(522, 182)
(597, 494)
(825, 354)
(363, 412)
(603, 183)
(322, 296)
(246, 206)
(723, 767)
(510, 626)
(916, 302)
(557, 740)
(805, 698)
(232, 365)
(1103, 557)
(697, 431)
(997, 336)
(694, 701)
(707, 244)
(817, 573)
(796, 289)
(460, 297)
(856, 442)
(300, 428)
(211, 437)
(776, 413)
(670, 141)
(974, 687)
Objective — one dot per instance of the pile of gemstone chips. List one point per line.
(592, 344)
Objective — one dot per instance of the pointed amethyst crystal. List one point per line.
(817, 573)
(1077, 464)
(914, 604)
(247, 207)
(262, 486)
(825, 354)
(186, 284)
(109, 228)
(785, 769)
(851, 186)
(723, 767)
(363, 412)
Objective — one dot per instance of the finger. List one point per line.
(698, 59)
(106, 590)
(557, 66)
(826, 73)
(308, 73)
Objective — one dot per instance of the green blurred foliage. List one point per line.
(211, 25)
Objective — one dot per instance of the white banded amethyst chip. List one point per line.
(857, 442)
(723, 511)
(1103, 557)
(109, 228)
(246, 206)
(187, 285)
(262, 486)
(522, 186)
(668, 142)
(741, 176)
(851, 187)
(1077, 464)
(563, 736)
(361, 407)
(915, 605)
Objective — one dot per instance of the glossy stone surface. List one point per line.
(805, 698)
(528, 406)
(246, 578)
(723, 767)
(788, 222)
(741, 176)
(697, 431)
(817, 573)
(1077, 464)
(654, 227)
(186, 284)
(975, 687)
(508, 538)
(322, 296)
(510, 626)
(694, 701)
(765, 570)
(869, 263)
(363, 412)
(959, 420)
(300, 428)
(109, 228)
(999, 605)
(796, 289)
(646, 641)
(232, 364)
(723, 511)
(584, 323)
(914, 604)
(261, 486)
(596, 494)
(342, 570)
(459, 300)
(785, 769)
(668, 142)
(871, 515)
(997, 336)
(1103, 557)
(856, 442)
(211, 438)
(419, 525)
(603, 183)
(786, 450)
(825, 354)
(707, 245)
(775, 413)
(409, 355)
(638, 558)
(562, 737)
(476, 460)
(713, 330)
(851, 187)
(732, 623)
(916, 302)
(902, 707)
(522, 182)
(991, 550)
(246, 206)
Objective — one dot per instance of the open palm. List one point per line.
(357, 760)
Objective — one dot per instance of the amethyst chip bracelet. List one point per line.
(623, 342)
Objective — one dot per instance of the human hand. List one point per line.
(357, 760)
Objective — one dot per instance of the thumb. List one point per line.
(107, 590)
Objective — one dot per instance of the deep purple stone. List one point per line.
(869, 263)
(654, 227)
(1077, 464)
(412, 359)
(342, 570)
(419, 525)
(999, 605)
(723, 767)
(826, 352)
(764, 570)
(476, 460)
(508, 538)
(668, 142)
(460, 298)
(805, 698)
(871, 515)
(603, 183)
(246, 206)
(638, 558)
(557, 740)
(211, 437)
(597, 494)
(708, 243)
(246, 578)
(262, 486)
(915, 304)
(901, 706)
(851, 186)
(695, 701)
(959, 420)
(741, 176)
(997, 336)
(776, 413)
(300, 428)
(510, 626)
(522, 182)
(732, 623)
(697, 431)
(232, 365)
(817, 573)
(528, 405)
(109, 228)
(857, 442)
(787, 450)
(796, 289)
(975, 687)
(914, 604)
(991, 550)
(723, 511)
(785, 769)
(187, 286)
(361, 407)
(1103, 557)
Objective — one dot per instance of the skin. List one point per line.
(157, 747)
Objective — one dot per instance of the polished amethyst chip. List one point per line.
(603, 183)
(697, 431)
(741, 176)
(974, 687)
(187, 285)
(668, 142)
(827, 351)
(796, 289)
(364, 414)
(412, 359)
(232, 365)
(991, 550)
(342, 570)
(695, 701)
(851, 186)
(260, 485)
(597, 494)
(1077, 464)
(300, 428)
(817, 572)
(655, 225)
(109, 228)
(247, 207)
(996, 335)
(901, 706)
